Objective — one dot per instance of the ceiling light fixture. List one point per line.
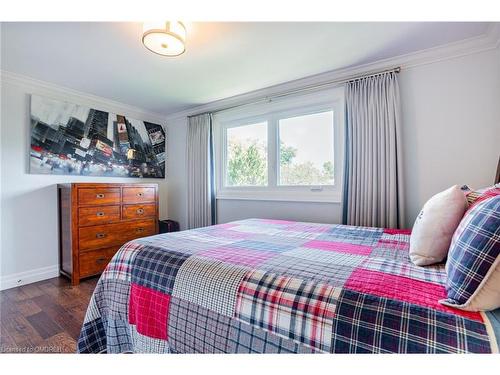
(164, 38)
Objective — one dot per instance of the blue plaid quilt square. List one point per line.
(111, 298)
(369, 324)
(247, 339)
(332, 273)
(353, 235)
(119, 338)
(92, 337)
(156, 268)
(195, 329)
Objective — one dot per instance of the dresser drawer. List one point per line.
(139, 194)
(101, 236)
(98, 196)
(136, 229)
(98, 215)
(94, 262)
(138, 211)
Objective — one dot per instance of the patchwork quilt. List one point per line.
(269, 286)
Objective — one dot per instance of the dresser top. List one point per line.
(104, 185)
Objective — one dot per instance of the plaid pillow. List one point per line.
(474, 250)
(476, 196)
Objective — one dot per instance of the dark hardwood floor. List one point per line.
(43, 317)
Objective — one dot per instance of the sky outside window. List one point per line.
(306, 149)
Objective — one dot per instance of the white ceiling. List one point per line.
(221, 60)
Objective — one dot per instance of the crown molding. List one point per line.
(32, 85)
(482, 43)
(494, 33)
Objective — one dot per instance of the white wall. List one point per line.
(230, 210)
(29, 241)
(451, 135)
(176, 167)
(451, 125)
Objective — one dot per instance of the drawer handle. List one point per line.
(140, 194)
(100, 260)
(100, 235)
(139, 230)
(140, 211)
(100, 214)
(99, 196)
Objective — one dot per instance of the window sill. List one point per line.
(281, 196)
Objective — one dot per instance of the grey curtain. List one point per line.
(373, 188)
(200, 165)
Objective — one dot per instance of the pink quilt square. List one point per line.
(404, 289)
(225, 233)
(393, 244)
(148, 310)
(339, 247)
(225, 226)
(397, 231)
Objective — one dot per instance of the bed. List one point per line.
(271, 286)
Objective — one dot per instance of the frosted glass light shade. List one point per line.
(165, 38)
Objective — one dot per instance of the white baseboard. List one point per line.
(28, 277)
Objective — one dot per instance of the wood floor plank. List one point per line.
(26, 308)
(3, 298)
(74, 296)
(20, 329)
(30, 345)
(62, 343)
(62, 316)
(6, 341)
(78, 312)
(44, 324)
(8, 307)
(32, 290)
(16, 294)
(45, 316)
(59, 282)
(60, 295)
(52, 290)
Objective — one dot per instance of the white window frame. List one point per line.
(272, 112)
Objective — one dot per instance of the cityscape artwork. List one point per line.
(70, 139)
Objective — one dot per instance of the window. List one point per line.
(306, 150)
(289, 151)
(246, 150)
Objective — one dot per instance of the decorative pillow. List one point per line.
(476, 196)
(473, 266)
(434, 227)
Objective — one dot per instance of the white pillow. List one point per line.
(435, 224)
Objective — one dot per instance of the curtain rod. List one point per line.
(314, 87)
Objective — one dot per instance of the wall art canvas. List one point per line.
(71, 139)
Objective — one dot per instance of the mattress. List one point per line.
(271, 286)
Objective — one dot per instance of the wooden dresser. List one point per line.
(96, 219)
